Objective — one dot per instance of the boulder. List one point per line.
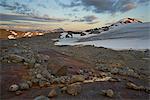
(13, 88)
(73, 89)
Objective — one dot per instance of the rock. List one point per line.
(77, 78)
(41, 98)
(46, 74)
(114, 80)
(52, 93)
(43, 83)
(114, 70)
(63, 90)
(13, 88)
(37, 65)
(108, 92)
(147, 90)
(16, 58)
(41, 58)
(35, 80)
(29, 83)
(24, 86)
(39, 76)
(59, 70)
(73, 89)
(132, 86)
(18, 93)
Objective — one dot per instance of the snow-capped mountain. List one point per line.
(13, 34)
(127, 33)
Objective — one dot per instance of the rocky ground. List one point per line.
(34, 68)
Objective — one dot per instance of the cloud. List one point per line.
(16, 7)
(87, 19)
(42, 5)
(105, 6)
(45, 18)
(72, 4)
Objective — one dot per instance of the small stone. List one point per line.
(41, 98)
(52, 93)
(37, 65)
(73, 89)
(39, 76)
(18, 93)
(108, 92)
(24, 86)
(13, 88)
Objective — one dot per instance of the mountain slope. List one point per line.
(134, 35)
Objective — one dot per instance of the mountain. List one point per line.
(127, 33)
(59, 30)
(13, 34)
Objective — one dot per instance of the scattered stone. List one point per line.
(13, 88)
(108, 92)
(77, 78)
(24, 86)
(73, 89)
(52, 93)
(18, 93)
(41, 98)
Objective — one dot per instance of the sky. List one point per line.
(72, 15)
